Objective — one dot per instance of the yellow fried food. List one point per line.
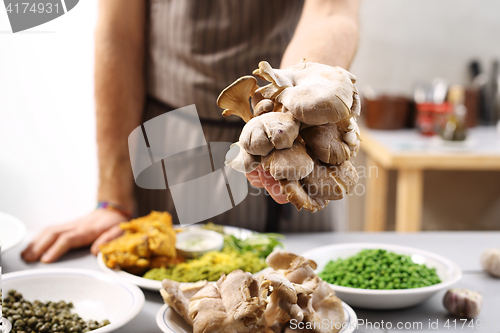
(148, 237)
(158, 227)
(132, 245)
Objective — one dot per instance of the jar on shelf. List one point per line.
(432, 117)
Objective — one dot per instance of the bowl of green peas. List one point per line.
(383, 276)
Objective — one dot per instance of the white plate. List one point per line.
(95, 295)
(12, 231)
(6, 326)
(170, 322)
(155, 285)
(448, 272)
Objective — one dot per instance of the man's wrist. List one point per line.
(128, 203)
(118, 195)
(107, 205)
(116, 184)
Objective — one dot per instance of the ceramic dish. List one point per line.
(195, 243)
(95, 295)
(154, 284)
(6, 326)
(12, 231)
(170, 322)
(448, 272)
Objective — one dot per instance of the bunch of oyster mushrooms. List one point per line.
(288, 298)
(302, 130)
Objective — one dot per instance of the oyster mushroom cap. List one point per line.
(293, 310)
(283, 259)
(240, 160)
(319, 305)
(330, 182)
(230, 305)
(177, 296)
(350, 134)
(281, 285)
(356, 103)
(240, 303)
(346, 175)
(318, 100)
(291, 164)
(235, 98)
(264, 106)
(279, 312)
(324, 183)
(324, 304)
(314, 93)
(202, 319)
(279, 80)
(268, 131)
(300, 198)
(282, 305)
(300, 272)
(275, 315)
(325, 141)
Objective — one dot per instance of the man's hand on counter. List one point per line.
(96, 228)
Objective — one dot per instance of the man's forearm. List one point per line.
(119, 93)
(327, 32)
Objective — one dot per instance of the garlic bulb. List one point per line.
(463, 302)
(490, 260)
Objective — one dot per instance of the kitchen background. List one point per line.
(48, 169)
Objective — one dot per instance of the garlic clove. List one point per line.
(490, 260)
(463, 302)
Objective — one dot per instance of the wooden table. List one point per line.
(410, 154)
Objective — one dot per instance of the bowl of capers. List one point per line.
(67, 301)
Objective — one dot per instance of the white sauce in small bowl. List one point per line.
(195, 243)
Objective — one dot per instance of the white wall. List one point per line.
(406, 40)
(47, 148)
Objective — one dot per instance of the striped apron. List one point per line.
(197, 48)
